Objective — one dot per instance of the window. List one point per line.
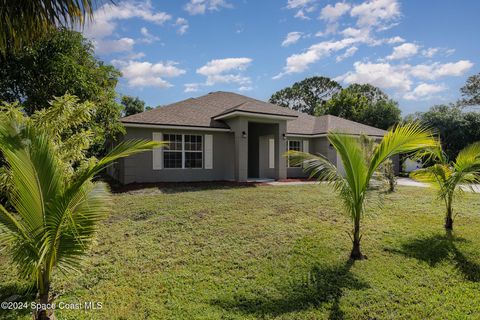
(295, 146)
(193, 151)
(172, 155)
(184, 151)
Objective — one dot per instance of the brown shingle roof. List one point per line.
(257, 106)
(199, 112)
(310, 125)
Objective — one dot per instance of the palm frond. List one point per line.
(405, 138)
(123, 149)
(26, 195)
(22, 22)
(435, 174)
(353, 159)
(70, 229)
(468, 159)
(317, 166)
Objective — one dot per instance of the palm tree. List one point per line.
(54, 217)
(21, 22)
(448, 176)
(359, 168)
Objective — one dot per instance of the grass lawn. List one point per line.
(273, 253)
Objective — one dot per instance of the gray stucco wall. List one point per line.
(322, 146)
(139, 167)
(316, 146)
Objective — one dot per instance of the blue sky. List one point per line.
(419, 52)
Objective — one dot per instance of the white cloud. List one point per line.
(303, 7)
(332, 13)
(376, 12)
(299, 62)
(134, 56)
(402, 77)
(291, 38)
(294, 4)
(104, 23)
(182, 25)
(430, 52)
(218, 66)
(191, 87)
(394, 40)
(449, 52)
(348, 53)
(110, 46)
(437, 70)
(382, 75)
(330, 29)
(105, 20)
(301, 15)
(143, 74)
(424, 91)
(222, 71)
(194, 7)
(148, 37)
(403, 51)
(245, 88)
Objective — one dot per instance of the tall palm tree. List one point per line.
(54, 217)
(448, 176)
(21, 22)
(352, 183)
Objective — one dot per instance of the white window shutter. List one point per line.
(271, 153)
(157, 152)
(305, 146)
(208, 151)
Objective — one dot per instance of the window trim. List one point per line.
(183, 151)
(288, 149)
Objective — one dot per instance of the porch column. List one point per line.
(280, 149)
(239, 126)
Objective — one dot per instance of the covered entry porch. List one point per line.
(260, 143)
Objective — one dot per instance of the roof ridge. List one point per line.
(229, 109)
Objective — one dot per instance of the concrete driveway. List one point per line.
(400, 181)
(412, 183)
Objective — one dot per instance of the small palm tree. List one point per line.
(448, 176)
(54, 216)
(359, 168)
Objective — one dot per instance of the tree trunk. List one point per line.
(43, 296)
(356, 254)
(449, 218)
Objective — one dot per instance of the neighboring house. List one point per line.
(410, 165)
(227, 136)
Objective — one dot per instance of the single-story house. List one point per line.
(227, 136)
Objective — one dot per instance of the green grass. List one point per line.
(273, 253)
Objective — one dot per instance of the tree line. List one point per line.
(457, 123)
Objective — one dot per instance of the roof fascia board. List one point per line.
(179, 127)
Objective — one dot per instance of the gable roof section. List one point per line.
(310, 125)
(259, 107)
(191, 112)
(203, 111)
